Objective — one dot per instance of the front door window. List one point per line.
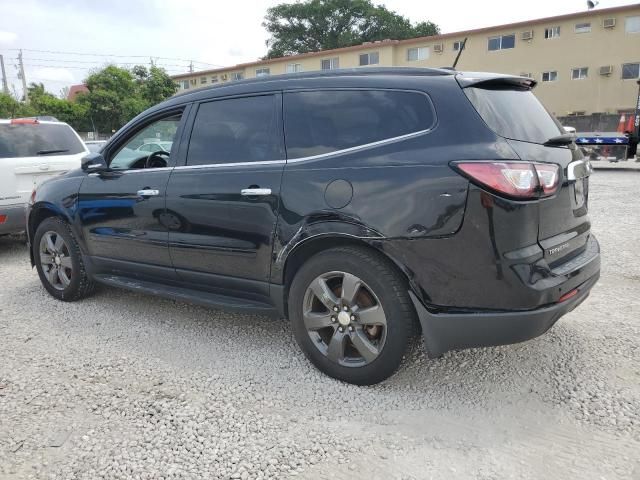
(151, 147)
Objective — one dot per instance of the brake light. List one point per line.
(3, 218)
(24, 121)
(521, 180)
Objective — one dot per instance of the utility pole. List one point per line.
(191, 67)
(5, 85)
(25, 92)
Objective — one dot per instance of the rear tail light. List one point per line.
(520, 180)
(3, 218)
(568, 295)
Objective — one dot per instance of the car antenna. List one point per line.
(464, 43)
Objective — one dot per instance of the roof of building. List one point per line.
(74, 90)
(370, 45)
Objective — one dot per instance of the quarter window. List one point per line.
(632, 24)
(550, 76)
(330, 63)
(583, 27)
(502, 42)
(372, 58)
(325, 121)
(418, 53)
(552, 32)
(630, 70)
(579, 73)
(236, 130)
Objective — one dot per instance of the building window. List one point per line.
(630, 70)
(502, 42)
(263, 72)
(214, 79)
(552, 32)
(457, 46)
(294, 67)
(579, 73)
(417, 53)
(583, 27)
(550, 76)
(632, 24)
(330, 63)
(184, 84)
(235, 76)
(203, 80)
(372, 58)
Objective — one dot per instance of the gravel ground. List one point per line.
(125, 386)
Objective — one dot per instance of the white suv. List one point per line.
(32, 150)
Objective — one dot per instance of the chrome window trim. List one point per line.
(234, 164)
(308, 158)
(365, 146)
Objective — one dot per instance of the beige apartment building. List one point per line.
(585, 63)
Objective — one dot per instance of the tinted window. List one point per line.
(30, 140)
(236, 130)
(325, 121)
(515, 114)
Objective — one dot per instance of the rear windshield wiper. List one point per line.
(50, 152)
(564, 139)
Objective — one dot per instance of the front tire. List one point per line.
(351, 314)
(59, 261)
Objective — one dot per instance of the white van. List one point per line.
(32, 150)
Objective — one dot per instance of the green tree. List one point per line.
(116, 95)
(314, 25)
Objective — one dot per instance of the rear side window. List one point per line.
(326, 121)
(515, 114)
(38, 139)
(236, 130)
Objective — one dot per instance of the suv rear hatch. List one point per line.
(32, 151)
(511, 110)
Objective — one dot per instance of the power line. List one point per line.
(60, 52)
(93, 62)
(85, 68)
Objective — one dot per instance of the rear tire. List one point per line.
(365, 340)
(59, 261)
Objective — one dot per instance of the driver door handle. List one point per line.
(148, 193)
(250, 192)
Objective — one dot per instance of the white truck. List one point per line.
(32, 150)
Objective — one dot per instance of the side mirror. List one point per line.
(94, 162)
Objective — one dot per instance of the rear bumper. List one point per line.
(455, 331)
(15, 221)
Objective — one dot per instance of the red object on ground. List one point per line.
(622, 123)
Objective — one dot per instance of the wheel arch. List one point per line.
(310, 246)
(38, 214)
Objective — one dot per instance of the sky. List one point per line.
(54, 33)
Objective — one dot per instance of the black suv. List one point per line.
(361, 204)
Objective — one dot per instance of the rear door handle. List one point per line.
(148, 193)
(253, 192)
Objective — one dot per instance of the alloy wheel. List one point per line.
(55, 259)
(345, 319)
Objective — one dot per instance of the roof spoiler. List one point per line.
(495, 81)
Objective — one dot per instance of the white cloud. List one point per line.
(59, 75)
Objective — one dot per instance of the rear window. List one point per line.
(514, 114)
(325, 121)
(31, 140)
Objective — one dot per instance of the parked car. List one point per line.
(31, 151)
(361, 204)
(95, 145)
(152, 147)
